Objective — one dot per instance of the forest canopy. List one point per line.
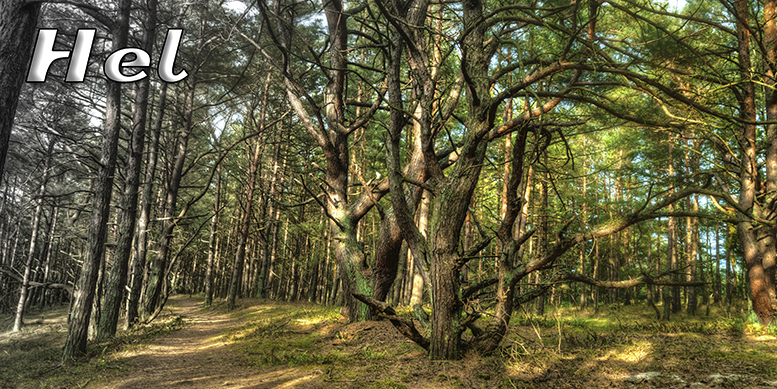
(464, 158)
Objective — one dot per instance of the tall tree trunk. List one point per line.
(117, 280)
(245, 223)
(75, 344)
(584, 212)
(417, 296)
(692, 241)
(18, 19)
(718, 293)
(17, 324)
(139, 265)
(729, 272)
(671, 294)
(48, 262)
(758, 244)
(270, 234)
(769, 260)
(332, 134)
(542, 245)
(159, 264)
(209, 270)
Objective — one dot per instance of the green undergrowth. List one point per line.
(639, 318)
(33, 357)
(620, 340)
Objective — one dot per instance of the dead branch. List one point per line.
(33, 284)
(46, 321)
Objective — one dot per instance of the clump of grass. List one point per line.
(374, 355)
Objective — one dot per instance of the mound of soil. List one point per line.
(370, 332)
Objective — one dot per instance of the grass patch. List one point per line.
(32, 358)
(278, 334)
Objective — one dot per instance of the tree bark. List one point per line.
(75, 344)
(671, 294)
(209, 271)
(49, 254)
(17, 325)
(139, 265)
(758, 244)
(18, 19)
(158, 267)
(331, 133)
(117, 280)
(253, 166)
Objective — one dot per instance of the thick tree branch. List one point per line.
(645, 279)
(406, 327)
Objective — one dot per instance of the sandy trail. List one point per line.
(197, 357)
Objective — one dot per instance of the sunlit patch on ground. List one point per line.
(636, 352)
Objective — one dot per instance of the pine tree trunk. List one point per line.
(49, 247)
(159, 264)
(245, 224)
(214, 222)
(129, 201)
(758, 244)
(718, 293)
(139, 265)
(17, 324)
(18, 20)
(75, 344)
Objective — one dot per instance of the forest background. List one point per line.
(467, 159)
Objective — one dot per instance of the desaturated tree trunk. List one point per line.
(75, 344)
(139, 264)
(18, 19)
(9, 261)
(17, 324)
(49, 255)
(114, 293)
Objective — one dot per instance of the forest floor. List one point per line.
(267, 344)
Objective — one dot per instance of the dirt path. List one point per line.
(197, 357)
